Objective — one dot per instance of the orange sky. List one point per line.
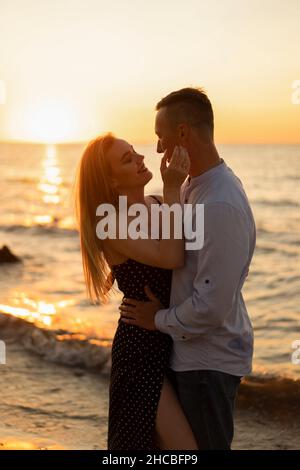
(70, 70)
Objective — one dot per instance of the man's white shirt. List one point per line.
(207, 317)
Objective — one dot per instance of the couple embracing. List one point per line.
(184, 339)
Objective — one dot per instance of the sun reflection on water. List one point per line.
(39, 312)
(51, 179)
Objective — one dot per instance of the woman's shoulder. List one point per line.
(157, 197)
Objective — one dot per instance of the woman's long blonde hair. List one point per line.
(92, 187)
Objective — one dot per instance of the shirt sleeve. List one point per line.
(222, 262)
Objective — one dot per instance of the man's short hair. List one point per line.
(190, 105)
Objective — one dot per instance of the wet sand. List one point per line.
(49, 406)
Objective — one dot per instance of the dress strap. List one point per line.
(156, 199)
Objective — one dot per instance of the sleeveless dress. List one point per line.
(139, 361)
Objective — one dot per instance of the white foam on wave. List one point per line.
(57, 346)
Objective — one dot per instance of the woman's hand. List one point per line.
(176, 172)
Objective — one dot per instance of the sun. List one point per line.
(50, 122)
(53, 121)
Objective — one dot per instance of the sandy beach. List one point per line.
(45, 405)
(104, 105)
(54, 388)
(50, 406)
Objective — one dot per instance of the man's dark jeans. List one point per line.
(207, 398)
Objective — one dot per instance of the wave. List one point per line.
(268, 394)
(278, 248)
(24, 179)
(263, 229)
(293, 177)
(276, 203)
(31, 180)
(274, 394)
(284, 236)
(40, 229)
(59, 346)
(52, 413)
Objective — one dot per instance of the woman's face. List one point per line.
(127, 166)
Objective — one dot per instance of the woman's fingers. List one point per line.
(176, 172)
(180, 160)
(163, 163)
(185, 160)
(175, 157)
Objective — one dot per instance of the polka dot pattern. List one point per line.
(139, 360)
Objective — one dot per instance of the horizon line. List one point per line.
(84, 142)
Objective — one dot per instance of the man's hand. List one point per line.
(141, 313)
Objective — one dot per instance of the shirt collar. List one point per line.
(191, 182)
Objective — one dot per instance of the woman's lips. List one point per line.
(144, 168)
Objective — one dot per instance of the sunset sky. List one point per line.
(72, 69)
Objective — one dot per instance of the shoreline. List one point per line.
(60, 407)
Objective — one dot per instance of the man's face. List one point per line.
(166, 135)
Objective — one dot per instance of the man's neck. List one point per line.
(208, 160)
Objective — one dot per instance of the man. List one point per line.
(207, 319)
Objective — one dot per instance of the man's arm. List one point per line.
(220, 265)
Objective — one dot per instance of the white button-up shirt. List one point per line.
(207, 318)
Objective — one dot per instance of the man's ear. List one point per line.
(182, 133)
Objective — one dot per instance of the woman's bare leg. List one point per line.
(173, 430)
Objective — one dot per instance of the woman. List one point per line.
(144, 412)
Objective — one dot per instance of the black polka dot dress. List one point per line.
(139, 360)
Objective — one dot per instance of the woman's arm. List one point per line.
(167, 252)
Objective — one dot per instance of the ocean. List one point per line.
(43, 300)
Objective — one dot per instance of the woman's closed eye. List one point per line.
(128, 159)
